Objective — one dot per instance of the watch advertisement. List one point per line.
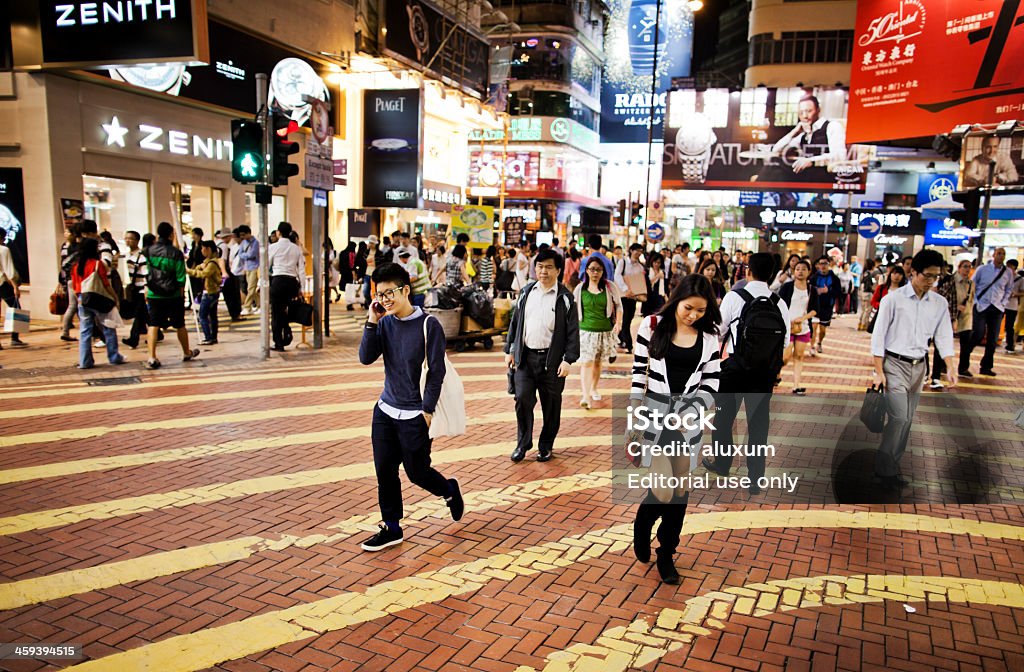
(58, 33)
(900, 46)
(761, 139)
(630, 41)
(421, 35)
(392, 127)
(363, 222)
(230, 79)
(12, 219)
(981, 150)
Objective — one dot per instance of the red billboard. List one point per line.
(921, 67)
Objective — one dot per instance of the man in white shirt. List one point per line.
(543, 340)
(287, 277)
(907, 319)
(742, 383)
(10, 293)
(406, 245)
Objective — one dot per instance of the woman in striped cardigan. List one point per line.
(676, 367)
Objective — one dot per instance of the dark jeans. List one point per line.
(736, 389)
(985, 322)
(140, 323)
(531, 378)
(853, 300)
(938, 365)
(406, 443)
(1011, 335)
(208, 315)
(232, 297)
(283, 288)
(628, 312)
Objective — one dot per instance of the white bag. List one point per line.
(112, 320)
(450, 414)
(16, 320)
(353, 295)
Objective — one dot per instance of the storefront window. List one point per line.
(276, 212)
(544, 59)
(552, 104)
(200, 207)
(117, 205)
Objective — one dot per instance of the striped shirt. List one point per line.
(486, 271)
(138, 269)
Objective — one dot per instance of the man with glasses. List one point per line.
(907, 319)
(826, 284)
(400, 433)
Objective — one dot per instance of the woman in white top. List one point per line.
(786, 274)
(676, 367)
(803, 303)
(631, 277)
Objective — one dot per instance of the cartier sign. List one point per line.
(96, 33)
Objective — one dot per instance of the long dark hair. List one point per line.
(899, 271)
(692, 285)
(604, 279)
(88, 248)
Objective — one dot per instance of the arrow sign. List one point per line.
(869, 227)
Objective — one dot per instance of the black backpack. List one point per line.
(760, 334)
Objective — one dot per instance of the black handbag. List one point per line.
(871, 320)
(872, 411)
(300, 312)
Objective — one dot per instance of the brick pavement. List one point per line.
(207, 516)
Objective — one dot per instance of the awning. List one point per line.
(1003, 207)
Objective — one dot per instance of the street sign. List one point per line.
(869, 227)
(319, 173)
(655, 233)
(655, 211)
(320, 198)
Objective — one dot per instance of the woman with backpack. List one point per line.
(89, 315)
(599, 309)
(803, 305)
(677, 353)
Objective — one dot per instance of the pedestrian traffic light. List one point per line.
(972, 204)
(281, 169)
(841, 227)
(247, 145)
(774, 235)
(634, 213)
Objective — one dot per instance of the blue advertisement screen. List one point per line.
(630, 40)
(934, 187)
(936, 233)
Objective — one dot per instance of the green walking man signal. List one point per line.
(247, 143)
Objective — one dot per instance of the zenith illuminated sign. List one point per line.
(156, 139)
(118, 11)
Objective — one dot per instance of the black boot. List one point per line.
(668, 538)
(646, 514)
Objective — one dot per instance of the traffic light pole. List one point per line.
(263, 192)
(985, 211)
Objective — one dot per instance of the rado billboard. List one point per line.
(73, 33)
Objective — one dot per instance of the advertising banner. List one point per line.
(419, 34)
(979, 151)
(12, 219)
(791, 219)
(629, 43)
(934, 187)
(922, 68)
(61, 34)
(476, 221)
(229, 80)
(522, 170)
(906, 222)
(392, 126)
(72, 211)
(760, 140)
(363, 223)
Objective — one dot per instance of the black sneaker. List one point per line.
(965, 374)
(455, 502)
(384, 538)
(988, 372)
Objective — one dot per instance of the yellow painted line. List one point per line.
(215, 645)
(647, 639)
(68, 468)
(38, 520)
(73, 582)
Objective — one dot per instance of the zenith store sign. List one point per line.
(109, 132)
(98, 33)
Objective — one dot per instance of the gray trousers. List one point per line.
(70, 313)
(903, 392)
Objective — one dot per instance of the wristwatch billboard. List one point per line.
(164, 78)
(290, 80)
(419, 30)
(643, 39)
(694, 141)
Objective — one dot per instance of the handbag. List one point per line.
(353, 295)
(59, 300)
(300, 312)
(872, 411)
(449, 417)
(95, 293)
(636, 284)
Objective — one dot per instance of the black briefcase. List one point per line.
(872, 411)
(300, 312)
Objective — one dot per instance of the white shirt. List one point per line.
(732, 308)
(7, 269)
(539, 317)
(235, 260)
(835, 133)
(905, 323)
(137, 268)
(798, 307)
(1013, 303)
(286, 258)
(413, 252)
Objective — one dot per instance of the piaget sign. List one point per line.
(97, 33)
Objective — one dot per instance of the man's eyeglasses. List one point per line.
(931, 277)
(387, 294)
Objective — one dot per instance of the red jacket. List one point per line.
(90, 267)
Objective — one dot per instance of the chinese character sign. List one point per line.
(921, 67)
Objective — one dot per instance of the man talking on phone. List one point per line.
(543, 341)
(401, 418)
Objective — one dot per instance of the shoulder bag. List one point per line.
(449, 417)
(95, 293)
